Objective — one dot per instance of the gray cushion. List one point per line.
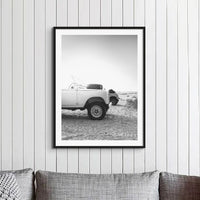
(25, 180)
(179, 187)
(61, 186)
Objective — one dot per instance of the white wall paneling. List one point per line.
(95, 13)
(172, 85)
(193, 87)
(95, 161)
(116, 12)
(183, 100)
(50, 21)
(150, 85)
(40, 84)
(106, 12)
(7, 84)
(73, 12)
(29, 84)
(139, 14)
(160, 65)
(18, 108)
(128, 13)
(1, 81)
(172, 90)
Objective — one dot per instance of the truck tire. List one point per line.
(114, 101)
(96, 111)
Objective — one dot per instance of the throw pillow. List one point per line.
(9, 189)
(179, 187)
(59, 186)
(25, 179)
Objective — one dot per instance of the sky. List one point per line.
(110, 60)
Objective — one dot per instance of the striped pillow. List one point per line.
(9, 188)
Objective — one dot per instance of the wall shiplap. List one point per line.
(172, 85)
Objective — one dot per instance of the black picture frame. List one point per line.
(144, 82)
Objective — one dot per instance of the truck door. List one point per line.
(69, 98)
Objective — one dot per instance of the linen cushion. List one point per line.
(179, 187)
(25, 180)
(61, 186)
(9, 189)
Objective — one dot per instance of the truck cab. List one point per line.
(77, 96)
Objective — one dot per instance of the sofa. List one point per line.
(44, 185)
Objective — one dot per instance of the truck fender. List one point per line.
(93, 100)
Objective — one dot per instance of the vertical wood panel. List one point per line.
(193, 89)
(50, 22)
(0, 84)
(62, 12)
(18, 100)
(73, 20)
(62, 18)
(139, 10)
(29, 103)
(84, 160)
(161, 85)
(182, 88)
(117, 160)
(7, 84)
(106, 7)
(73, 9)
(95, 154)
(84, 12)
(40, 83)
(199, 61)
(128, 20)
(139, 21)
(106, 161)
(62, 160)
(95, 12)
(172, 85)
(117, 13)
(95, 161)
(73, 161)
(150, 85)
(128, 12)
(128, 160)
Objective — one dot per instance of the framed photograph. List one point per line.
(99, 86)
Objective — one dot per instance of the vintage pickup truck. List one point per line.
(80, 97)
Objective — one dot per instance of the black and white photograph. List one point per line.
(99, 83)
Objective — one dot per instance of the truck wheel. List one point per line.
(114, 101)
(96, 111)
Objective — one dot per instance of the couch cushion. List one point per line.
(59, 186)
(25, 180)
(179, 187)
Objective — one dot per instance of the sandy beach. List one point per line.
(120, 122)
